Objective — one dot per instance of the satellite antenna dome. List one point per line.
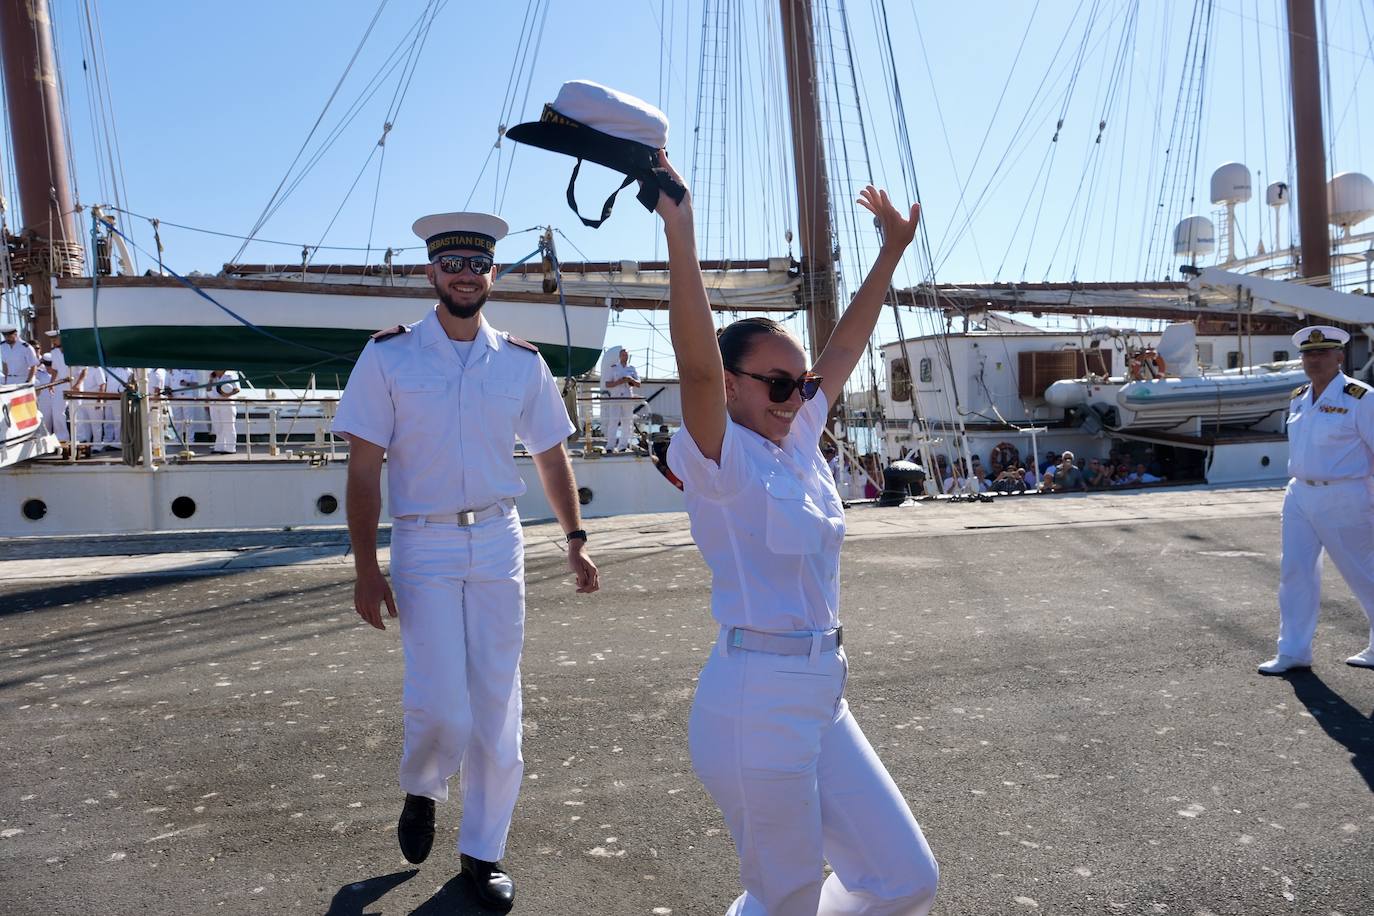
(1350, 199)
(1194, 236)
(1231, 184)
(1276, 195)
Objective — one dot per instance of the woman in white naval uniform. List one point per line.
(771, 735)
(446, 398)
(1329, 503)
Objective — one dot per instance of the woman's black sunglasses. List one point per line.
(454, 263)
(780, 388)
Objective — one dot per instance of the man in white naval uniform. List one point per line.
(56, 412)
(18, 357)
(445, 398)
(618, 408)
(1329, 503)
(185, 386)
(224, 386)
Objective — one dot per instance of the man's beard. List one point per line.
(461, 311)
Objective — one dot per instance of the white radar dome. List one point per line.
(1231, 184)
(1195, 236)
(1276, 195)
(1350, 198)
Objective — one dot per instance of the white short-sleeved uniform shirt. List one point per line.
(229, 381)
(449, 426)
(618, 372)
(60, 367)
(182, 379)
(18, 358)
(1332, 438)
(769, 524)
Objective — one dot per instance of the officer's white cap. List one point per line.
(8, 329)
(613, 112)
(451, 231)
(1320, 337)
(53, 333)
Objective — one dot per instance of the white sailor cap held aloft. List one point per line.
(444, 232)
(52, 333)
(611, 128)
(1320, 337)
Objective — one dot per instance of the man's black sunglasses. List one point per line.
(780, 388)
(454, 263)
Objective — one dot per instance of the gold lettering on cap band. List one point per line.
(460, 240)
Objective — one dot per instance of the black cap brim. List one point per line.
(581, 142)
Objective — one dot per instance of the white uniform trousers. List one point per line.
(53, 405)
(113, 422)
(1340, 518)
(89, 416)
(618, 418)
(774, 743)
(460, 595)
(223, 424)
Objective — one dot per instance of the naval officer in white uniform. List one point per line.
(618, 409)
(18, 357)
(1329, 503)
(771, 734)
(446, 398)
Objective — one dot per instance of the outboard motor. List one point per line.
(901, 481)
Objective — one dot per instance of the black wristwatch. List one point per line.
(578, 535)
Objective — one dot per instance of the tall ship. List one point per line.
(1194, 367)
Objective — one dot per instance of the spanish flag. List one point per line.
(23, 411)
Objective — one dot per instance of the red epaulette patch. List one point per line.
(389, 333)
(522, 343)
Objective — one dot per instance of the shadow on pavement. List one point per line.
(352, 899)
(455, 898)
(1341, 721)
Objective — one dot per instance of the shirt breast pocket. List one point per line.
(501, 399)
(420, 388)
(794, 525)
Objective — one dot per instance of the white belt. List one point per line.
(1327, 483)
(465, 519)
(784, 643)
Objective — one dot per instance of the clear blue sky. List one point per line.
(212, 101)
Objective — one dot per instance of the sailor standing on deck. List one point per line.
(1329, 503)
(224, 386)
(618, 409)
(18, 357)
(62, 375)
(445, 398)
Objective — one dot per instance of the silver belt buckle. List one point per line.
(467, 518)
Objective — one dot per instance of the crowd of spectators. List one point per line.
(1006, 472)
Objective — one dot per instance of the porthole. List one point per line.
(327, 504)
(1264, 462)
(34, 509)
(183, 507)
(584, 495)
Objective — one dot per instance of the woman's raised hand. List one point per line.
(898, 231)
(673, 212)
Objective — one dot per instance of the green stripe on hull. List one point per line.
(291, 359)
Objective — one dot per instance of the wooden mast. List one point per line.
(1304, 63)
(49, 245)
(813, 187)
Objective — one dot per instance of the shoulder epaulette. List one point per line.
(1299, 391)
(1356, 390)
(524, 344)
(389, 333)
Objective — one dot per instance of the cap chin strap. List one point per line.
(651, 183)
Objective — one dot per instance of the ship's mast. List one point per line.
(1304, 64)
(49, 244)
(813, 187)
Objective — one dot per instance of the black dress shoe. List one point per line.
(492, 885)
(415, 829)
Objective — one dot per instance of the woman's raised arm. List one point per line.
(693, 332)
(850, 338)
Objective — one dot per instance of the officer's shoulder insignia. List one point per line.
(523, 344)
(388, 333)
(1299, 392)
(1356, 390)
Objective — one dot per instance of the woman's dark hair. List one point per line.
(737, 339)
